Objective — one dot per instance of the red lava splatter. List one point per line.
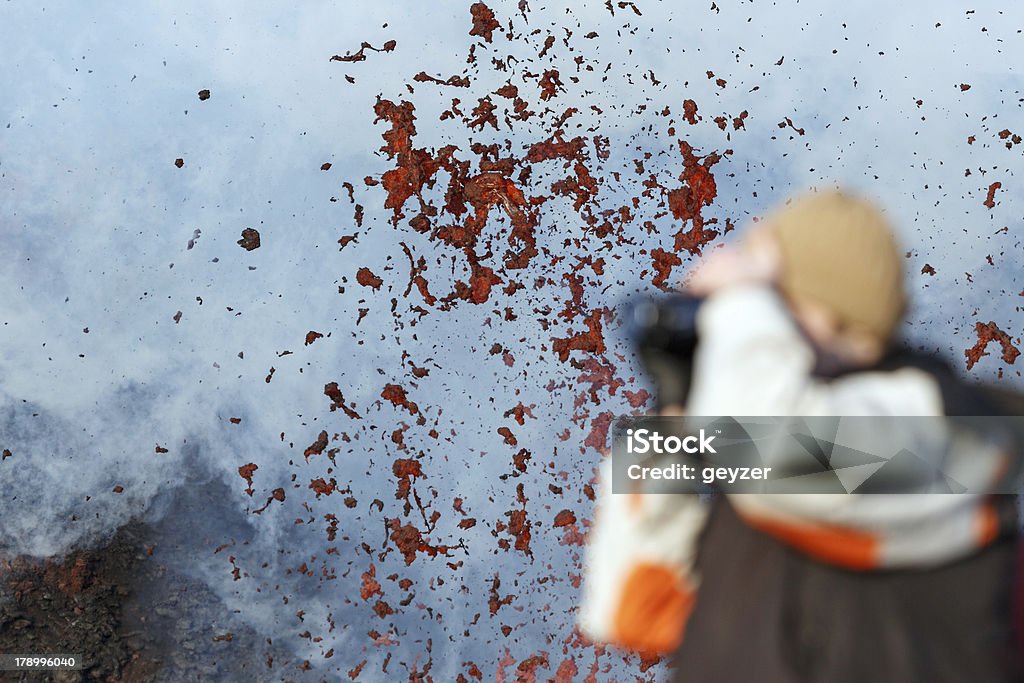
(396, 394)
(416, 270)
(664, 261)
(1010, 139)
(598, 437)
(599, 374)
(406, 470)
(332, 392)
(987, 333)
(687, 202)
(550, 84)
(358, 669)
(370, 586)
(416, 168)
(495, 602)
(250, 239)
(277, 494)
(360, 55)
(332, 527)
(484, 22)
(483, 114)
(246, 472)
(366, 278)
(573, 536)
(509, 437)
(789, 122)
(520, 413)
(519, 526)
(567, 671)
(637, 399)
(690, 112)
(508, 91)
(455, 81)
(632, 6)
(312, 336)
(557, 147)
(317, 447)
(591, 341)
(322, 487)
(409, 540)
(526, 670)
(520, 459)
(564, 518)
(990, 198)
(927, 270)
(204, 94)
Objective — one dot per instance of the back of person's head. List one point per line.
(838, 251)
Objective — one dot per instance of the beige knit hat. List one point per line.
(839, 251)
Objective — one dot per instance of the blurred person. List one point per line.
(801, 319)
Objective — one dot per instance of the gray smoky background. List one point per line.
(366, 448)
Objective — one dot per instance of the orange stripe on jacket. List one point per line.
(652, 611)
(837, 545)
(987, 523)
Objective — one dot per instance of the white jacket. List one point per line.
(752, 360)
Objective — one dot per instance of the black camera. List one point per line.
(664, 333)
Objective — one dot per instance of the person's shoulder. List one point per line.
(905, 390)
(905, 371)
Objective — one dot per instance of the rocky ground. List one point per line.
(128, 615)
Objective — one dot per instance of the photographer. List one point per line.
(800, 319)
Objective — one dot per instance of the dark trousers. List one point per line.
(767, 613)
